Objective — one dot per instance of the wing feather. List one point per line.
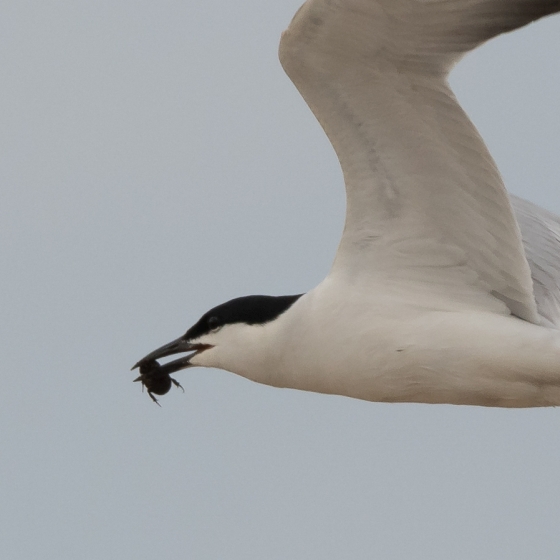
(425, 201)
(540, 231)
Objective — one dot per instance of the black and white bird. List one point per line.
(444, 289)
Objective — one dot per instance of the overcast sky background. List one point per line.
(155, 161)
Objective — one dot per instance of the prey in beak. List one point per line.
(155, 376)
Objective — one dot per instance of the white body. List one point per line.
(401, 351)
(436, 295)
(385, 348)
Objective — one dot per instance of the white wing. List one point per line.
(426, 207)
(540, 231)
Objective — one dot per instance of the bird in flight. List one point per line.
(444, 288)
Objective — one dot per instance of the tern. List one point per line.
(444, 288)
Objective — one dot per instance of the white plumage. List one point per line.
(443, 289)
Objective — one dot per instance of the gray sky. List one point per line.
(155, 161)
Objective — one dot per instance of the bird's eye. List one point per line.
(214, 324)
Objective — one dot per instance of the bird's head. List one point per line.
(226, 337)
